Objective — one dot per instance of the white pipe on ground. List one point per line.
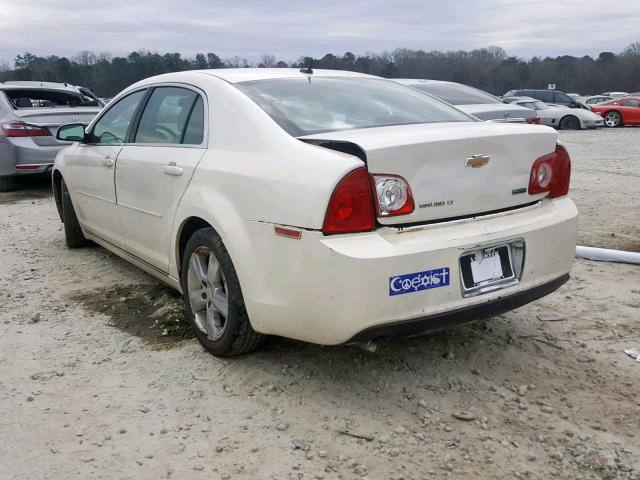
(607, 255)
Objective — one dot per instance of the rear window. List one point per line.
(456, 94)
(304, 106)
(42, 98)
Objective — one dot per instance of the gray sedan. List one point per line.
(30, 115)
(472, 101)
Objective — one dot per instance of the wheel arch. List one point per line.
(187, 228)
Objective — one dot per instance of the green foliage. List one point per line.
(490, 69)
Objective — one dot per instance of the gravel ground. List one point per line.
(605, 185)
(99, 378)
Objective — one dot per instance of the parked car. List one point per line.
(594, 100)
(561, 117)
(326, 206)
(619, 111)
(471, 100)
(30, 114)
(548, 96)
(615, 94)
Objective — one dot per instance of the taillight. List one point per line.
(22, 129)
(350, 208)
(534, 120)
(393, 195)
(551, 173)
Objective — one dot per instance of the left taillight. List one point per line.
(350, 208)
(551, 173)
(533, 121)
(23, 129)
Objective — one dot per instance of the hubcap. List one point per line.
(207, 289)
(611, 120)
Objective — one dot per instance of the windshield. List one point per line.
(456, 94)
(304, 106)
(42, 98)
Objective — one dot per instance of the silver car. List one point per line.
(559, 116)
(30, 115)
(472, 101)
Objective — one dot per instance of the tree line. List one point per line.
(490, 69)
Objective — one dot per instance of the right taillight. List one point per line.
(22, 129)
(350, 208)
(551, 173)
(534, 121)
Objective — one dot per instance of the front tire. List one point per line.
(72, 231)
(612, 119)
(213, 298)
(7, 184)
(570, 123)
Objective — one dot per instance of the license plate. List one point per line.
(486, 266)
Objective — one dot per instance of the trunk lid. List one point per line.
(54, 118)
(499, 111)
(432, 159)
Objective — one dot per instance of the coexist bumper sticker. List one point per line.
(414, 282)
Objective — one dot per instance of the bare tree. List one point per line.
(268, 61)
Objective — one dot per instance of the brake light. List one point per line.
(393, 195)
(533, 121)
(22, 129)
(551, 173)
(350, 208)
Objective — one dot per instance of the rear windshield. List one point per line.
(41, 98)
(456, 94)
(304, 106)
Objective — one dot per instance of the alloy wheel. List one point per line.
(612, 119)
(207, 289)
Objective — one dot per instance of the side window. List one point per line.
(629, 103)
(112, 127)
(562, 99)
(544, 95)
(194, 134)
(165, 116)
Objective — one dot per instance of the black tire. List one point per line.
(612, 119)
(7, 184)
(72, 231)
(238, 336)
(570, 123)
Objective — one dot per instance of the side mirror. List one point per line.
(73, 132)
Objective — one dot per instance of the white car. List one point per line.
(325, 206)
(561, 116)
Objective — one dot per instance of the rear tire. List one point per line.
(612, 119)
(7, 184)
(570, 123)
(210, 286)
(72, 231)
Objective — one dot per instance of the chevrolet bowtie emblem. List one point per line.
(477, 161)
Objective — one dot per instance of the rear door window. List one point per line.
(166, 116)
(544, 95)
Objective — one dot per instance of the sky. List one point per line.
(289, 29)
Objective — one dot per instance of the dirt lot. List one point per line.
(100, 379)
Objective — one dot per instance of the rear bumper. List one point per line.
(21, 156)
(440, 321)
(333, 290)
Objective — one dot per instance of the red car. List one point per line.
(619, 111)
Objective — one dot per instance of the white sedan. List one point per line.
(560, 117)
(330, 207)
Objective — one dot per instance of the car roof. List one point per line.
(413, 81)
(236, 75)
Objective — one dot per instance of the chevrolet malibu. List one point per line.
(329, 207)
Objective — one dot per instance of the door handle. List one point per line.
(173, 169)
(107, 162)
